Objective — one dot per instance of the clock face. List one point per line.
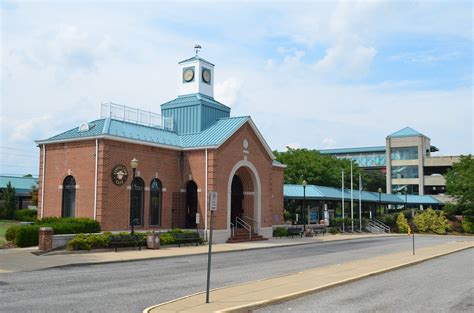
(206, 75)
(119, 175)
(188, 75)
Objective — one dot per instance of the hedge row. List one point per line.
(26, 215)
(27, 235)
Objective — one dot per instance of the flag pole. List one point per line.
(352, 200)
(342, 191)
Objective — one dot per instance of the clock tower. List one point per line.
(196, 75)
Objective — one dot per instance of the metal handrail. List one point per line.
(232, 228)
(241, 222)
(371, 226)
(256, 228)
(385, 227)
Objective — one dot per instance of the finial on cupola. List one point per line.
(197, 48)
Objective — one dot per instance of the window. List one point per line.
(400, 189)
(69, 197)
(136, 202)
(155, 202)
(406, 153)
(409, 171)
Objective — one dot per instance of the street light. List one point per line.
(380, 200)
(134, 165)
(304, 203)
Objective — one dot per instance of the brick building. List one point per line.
(192, 148)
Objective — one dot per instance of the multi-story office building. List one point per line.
(406, 161)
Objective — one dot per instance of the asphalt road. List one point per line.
(444, 284)
(133, 286)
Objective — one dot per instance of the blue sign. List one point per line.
(313, 216)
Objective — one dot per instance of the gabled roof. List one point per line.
(405, 132)
(195, 58)
(354, 150)
(212, 137)
(194, 99)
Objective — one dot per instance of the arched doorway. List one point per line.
(191, 204)
(156, 200)
(237, 197)
(136, 201)
(244, 195)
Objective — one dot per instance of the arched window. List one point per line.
(156, 199)
(69, 197)
(136, 202)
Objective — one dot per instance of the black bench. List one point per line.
(126, 241)
(295, 231)
(319, 229)
(183, 238)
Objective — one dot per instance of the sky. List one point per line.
(312, 74)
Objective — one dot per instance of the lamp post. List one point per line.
(380, 200)
(304, 203)
(133, 165)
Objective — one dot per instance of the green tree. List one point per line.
(8, 198)
(460, 185)
(34, 195)
(325, 170)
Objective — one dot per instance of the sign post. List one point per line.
(212, 206)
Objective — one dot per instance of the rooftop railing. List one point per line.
(136, 116)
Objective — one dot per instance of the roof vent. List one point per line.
(83, 127)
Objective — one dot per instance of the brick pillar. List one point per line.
(45, 239)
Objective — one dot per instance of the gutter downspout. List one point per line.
(95, 177)
(42, 181)
(205, 197)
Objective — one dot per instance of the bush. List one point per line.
(333, 230)
(388, 219)
(468, 226)
(88, 242)
(26, 236)
(280, 232)
(402, 223)
(430, 220)
(167, 239)
(26, 215)
(59, 225)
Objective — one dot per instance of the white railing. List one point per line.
(241, 222)
(252, 221)
(133, 115)
(385, 227)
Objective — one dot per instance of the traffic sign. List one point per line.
(213, 200)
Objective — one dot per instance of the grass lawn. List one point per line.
(4, 224)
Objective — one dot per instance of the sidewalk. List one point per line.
(257, 294)
(16, 260)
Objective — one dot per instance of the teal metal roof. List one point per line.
(214, 135)
(21, 184)
(194, 99)
(405, 132)
(195, 58)
(354, 150)
(314, 192)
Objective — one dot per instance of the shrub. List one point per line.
(280, 232)
(388, 219)
(468, 226)
(26, 236)
(88, 242)
(11, 232)
(430, 220)
(176, 231)
(167, 239)
(402, 223)
(333, 230)
(26, 215)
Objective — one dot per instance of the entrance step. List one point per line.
(241, 235)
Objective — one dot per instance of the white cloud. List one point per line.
(228, 91)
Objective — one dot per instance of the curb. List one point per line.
(205, 253)
(260, 304)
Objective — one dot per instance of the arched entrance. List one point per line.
(191, 204)
(136, 201)
(237, 197)
(244, 195)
